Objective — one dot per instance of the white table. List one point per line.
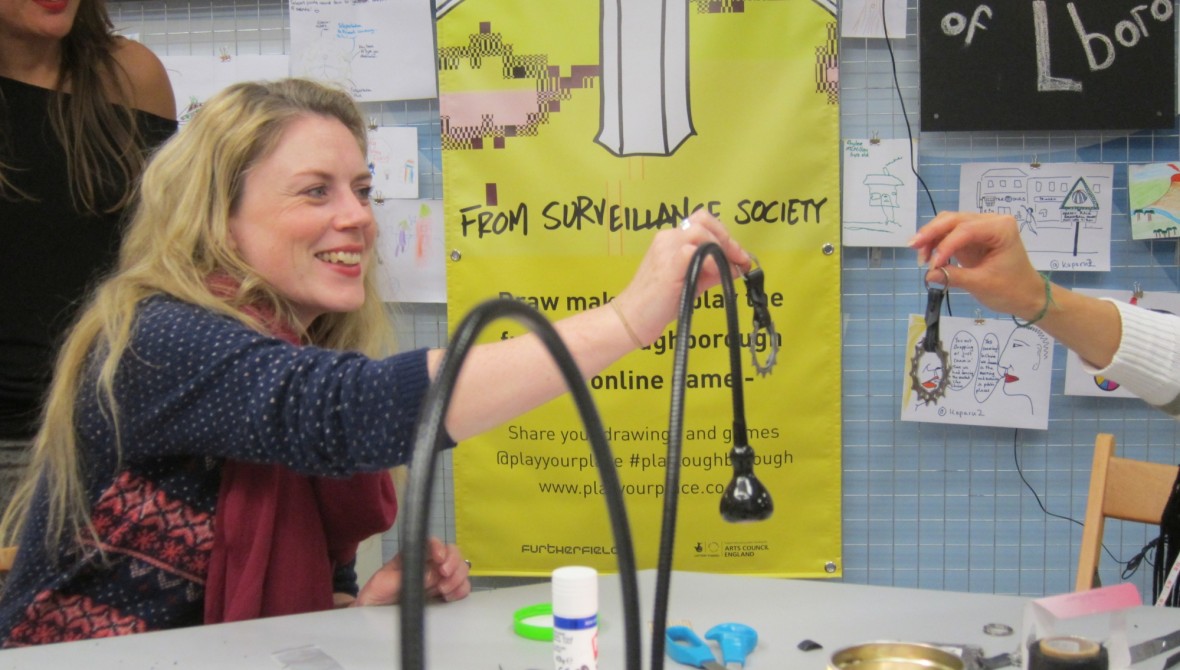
(477, 632)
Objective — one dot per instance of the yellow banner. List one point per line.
(572, 131)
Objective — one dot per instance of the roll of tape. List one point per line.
(1067, 653)
(534, 622)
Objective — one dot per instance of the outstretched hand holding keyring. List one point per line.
(506, 378)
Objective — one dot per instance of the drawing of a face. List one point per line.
(1021, 357)
(930, 370)
(927, 374)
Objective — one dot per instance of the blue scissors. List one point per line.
(735, 639)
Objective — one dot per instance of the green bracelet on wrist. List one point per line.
(1044, 310)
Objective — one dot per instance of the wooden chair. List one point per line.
(7, 556)
(1120, 488)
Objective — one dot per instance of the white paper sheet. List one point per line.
(376, 50)
(1063, 208)
(393, 162)
(195, 78)
(880, 199)
(995, 374)
(410, 251)
(862, 18)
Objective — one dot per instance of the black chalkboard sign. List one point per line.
(1047, 64)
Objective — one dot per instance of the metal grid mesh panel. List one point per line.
(947, 507)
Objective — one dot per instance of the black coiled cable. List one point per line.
(429, 441)
(676, 425)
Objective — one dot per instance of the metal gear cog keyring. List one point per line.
(930, 366)
(756, 290)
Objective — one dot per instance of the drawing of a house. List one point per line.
(1054, 201)
(883, 193)
(1003, 191)
(1046, 195)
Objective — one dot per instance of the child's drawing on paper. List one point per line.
(1063, 209)
(880, 193)
(425, 242)
(996, 374)
(1154, 194)
(410, 252)
(393, 160)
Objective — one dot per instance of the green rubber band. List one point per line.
(532, 631)
(1044, 310)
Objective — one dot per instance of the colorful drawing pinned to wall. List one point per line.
(410, 254)
(998, 374)
(1154, 193)
(393, 162)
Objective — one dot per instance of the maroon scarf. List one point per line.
(279, 535)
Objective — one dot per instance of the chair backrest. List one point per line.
(1120, 488)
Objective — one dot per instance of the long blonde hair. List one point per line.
(103, 142)
(177, 239)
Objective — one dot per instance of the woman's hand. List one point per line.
(446, 577)
(504, 379)
(992, 265)
(995, 268)
(652, 298)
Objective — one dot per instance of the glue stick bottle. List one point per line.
(575, 618)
